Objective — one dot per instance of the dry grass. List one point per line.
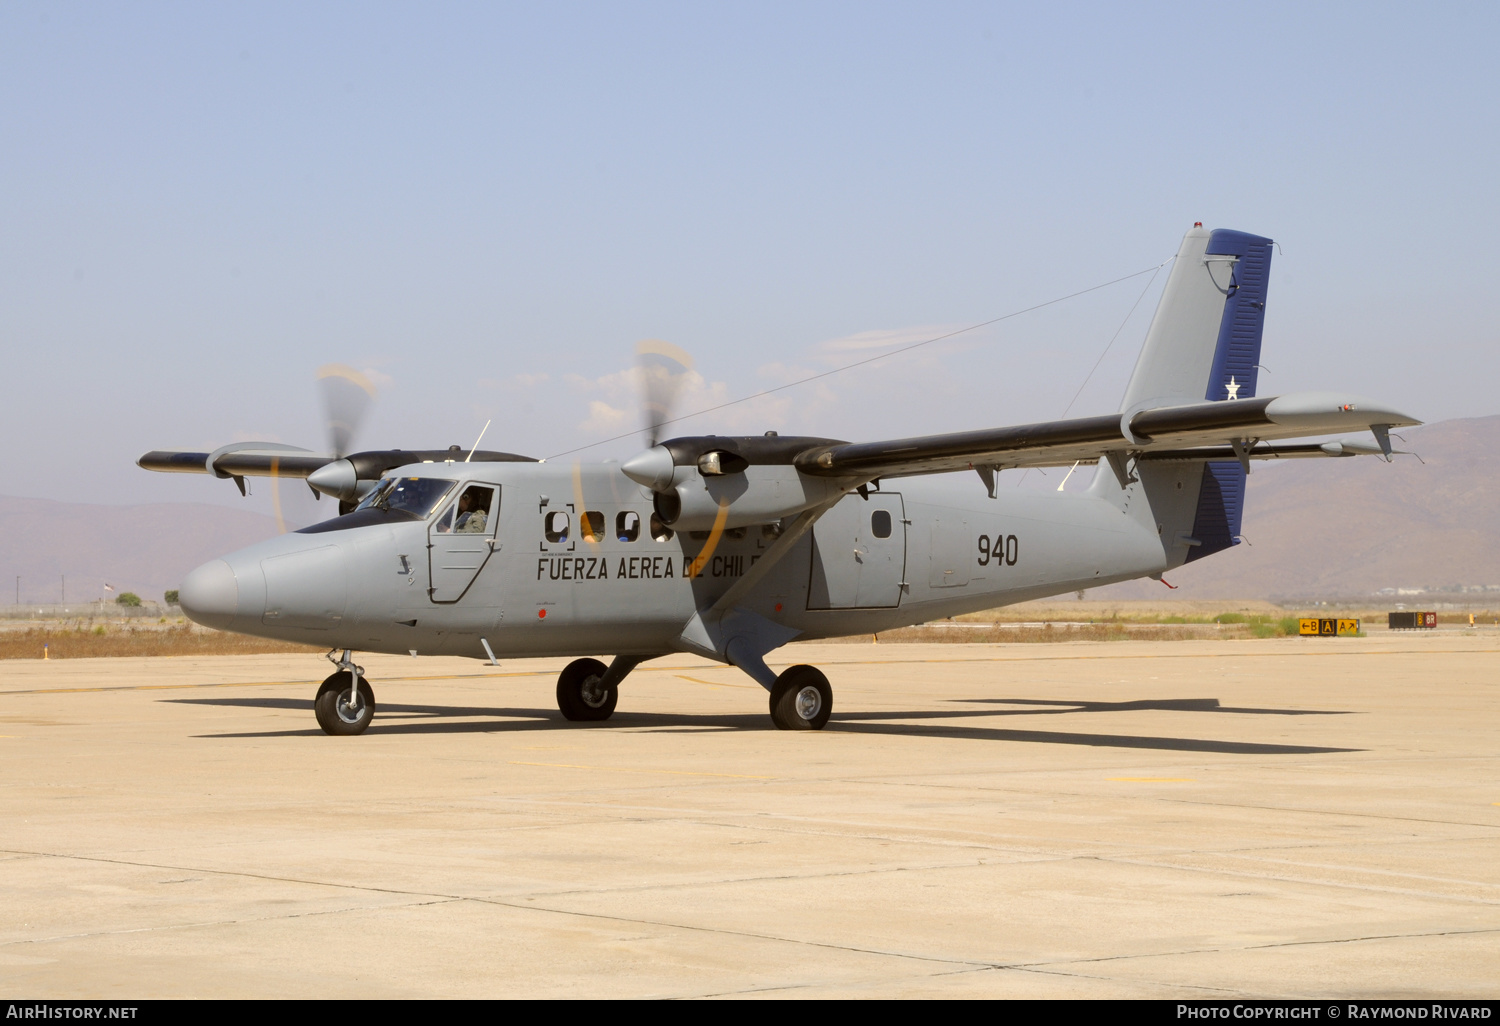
(1031, 622)
(946, 632)
(1487, 616)
(92, 640)
(1135, 612)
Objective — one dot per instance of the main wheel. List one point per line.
(801, 699)
(339, 710)
(579, 695)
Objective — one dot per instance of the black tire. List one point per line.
(332, 706)
(801, 699)
(579, 696)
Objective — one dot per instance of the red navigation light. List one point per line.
(1197, 224)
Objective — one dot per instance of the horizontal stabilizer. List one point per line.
(1234, 424)
(1268, 451)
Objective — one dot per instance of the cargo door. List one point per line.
(460, 541)
(859, 554)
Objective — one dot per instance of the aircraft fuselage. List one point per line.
(567, 565)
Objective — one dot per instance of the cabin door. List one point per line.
(859, 554)
(460, 541)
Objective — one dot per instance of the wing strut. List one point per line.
(773, 555)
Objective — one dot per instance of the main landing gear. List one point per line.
(801, 699)
(346, 703)
(587, 690)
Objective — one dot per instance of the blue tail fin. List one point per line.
(1236, 365)
(1236, 359)
(1204, 343)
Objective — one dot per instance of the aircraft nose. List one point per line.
(210, 595)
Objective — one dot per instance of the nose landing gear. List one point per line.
(587, 690)
(346, 703)
(582, 693)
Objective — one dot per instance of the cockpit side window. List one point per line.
(471, 514)
(418, 496)
(474, 510)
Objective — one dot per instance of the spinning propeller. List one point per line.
(347, 395)
(344, 475)
(663, 369)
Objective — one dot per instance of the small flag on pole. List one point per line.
(109, 587)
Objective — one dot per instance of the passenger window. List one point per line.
(591, 524)
(659, 531)
(880, 523)
(627, 526)
(557, 526)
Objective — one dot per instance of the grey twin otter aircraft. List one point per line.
(730, 547)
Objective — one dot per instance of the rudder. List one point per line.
(1204, 340)
(1203, 344)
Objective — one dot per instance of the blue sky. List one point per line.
(486, 206)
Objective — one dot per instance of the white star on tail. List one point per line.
(1233, 388)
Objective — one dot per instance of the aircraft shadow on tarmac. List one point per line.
(445, 719)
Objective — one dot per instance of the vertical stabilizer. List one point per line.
(1236, 354)
(1204, 343)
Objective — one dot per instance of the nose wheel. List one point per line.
(583, 694)
(801, 699)
(346, 703)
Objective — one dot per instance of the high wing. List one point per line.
(245, 459)
(1223, 429)
(345, 478)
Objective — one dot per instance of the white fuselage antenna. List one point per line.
(479, 439)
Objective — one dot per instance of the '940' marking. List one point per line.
(1002, 551)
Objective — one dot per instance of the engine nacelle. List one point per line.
(755, 495)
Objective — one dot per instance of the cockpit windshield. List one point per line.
(418, 496)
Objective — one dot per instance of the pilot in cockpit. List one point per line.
(472, 516)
